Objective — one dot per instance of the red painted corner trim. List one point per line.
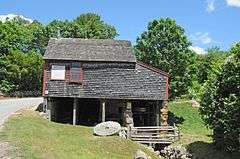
(44, 79)
(153, 68)
(81, 74)
(167, 89)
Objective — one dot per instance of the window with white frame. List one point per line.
(58, 72)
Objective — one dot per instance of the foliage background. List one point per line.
(221, 103)
(22, 45)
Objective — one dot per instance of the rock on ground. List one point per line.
(175, 152)
(140, 155)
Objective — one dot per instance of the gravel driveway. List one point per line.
(9, 106)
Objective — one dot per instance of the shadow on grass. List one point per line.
(204, 150)
(173, 119)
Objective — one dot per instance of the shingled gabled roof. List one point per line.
(89, 50)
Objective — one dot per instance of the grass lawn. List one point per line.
(35, 137)
(195, 136)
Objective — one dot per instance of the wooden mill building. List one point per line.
(88, 81)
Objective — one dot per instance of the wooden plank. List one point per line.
(150, 140)
(49, 108)
(152, 134)
(144, 130)
(146, 127)
(155, 142)
(103, 111)
(149, 136)
(157, 114)
(161, 127)
(155, 129)
(74, 111)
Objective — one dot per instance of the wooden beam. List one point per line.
(100, 112)
(157, 113)
(48, 110)
(103, 111)
(74, 111)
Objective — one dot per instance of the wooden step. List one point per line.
(155, 142)
(150, 136)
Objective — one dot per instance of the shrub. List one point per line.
(221, 103)
(6, 87)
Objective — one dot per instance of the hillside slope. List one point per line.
(195, 136)
(35, 137)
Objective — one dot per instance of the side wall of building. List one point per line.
(109, 80)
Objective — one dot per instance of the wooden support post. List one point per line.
(100, 112)
(157, 114)
(128, 119)
(48, 111)
(75, 103)
(103, 111)
(128, 115)
(44, 105)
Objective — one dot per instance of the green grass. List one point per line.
(188, 119)
(35, 137)
(195, 136)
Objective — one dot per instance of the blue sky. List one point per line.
(207, 22)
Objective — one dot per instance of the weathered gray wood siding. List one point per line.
(110, 80)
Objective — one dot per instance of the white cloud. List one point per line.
(210, 5)
(4, 18)
(202, 38)
(233, 3)
(197, 49)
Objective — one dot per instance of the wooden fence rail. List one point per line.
(154, 134)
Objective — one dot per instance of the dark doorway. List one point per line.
(143, 113)
(88, 112)
(62, 110)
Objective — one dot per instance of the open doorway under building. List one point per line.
(89, 111)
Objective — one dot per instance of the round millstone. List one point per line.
(107, 128)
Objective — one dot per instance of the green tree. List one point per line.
(210, 63)
(22, 72)
(91, 26)
(21, 35)
(165, 46)
(65, 28)
(14, 35)
(39, 38)
(88, 26)
(22, 45)
(221, 103)
(203, 67)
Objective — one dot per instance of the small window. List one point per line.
(58, 72)
(76, 73)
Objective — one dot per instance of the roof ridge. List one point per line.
(90, 49)
(83, 39)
